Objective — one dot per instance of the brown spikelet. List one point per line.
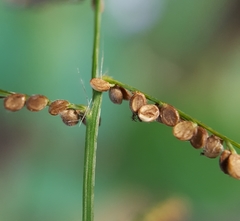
(70, 117)
(168, 115)
(36, 102)
(98, 84)
(213, 147)
(115, 94)
(200, 138)
(14, 102)
(148, 113)
(230, 164)
(56, 107)
(137, 101)
(185, 130)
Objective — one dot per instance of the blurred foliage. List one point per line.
(183, 52)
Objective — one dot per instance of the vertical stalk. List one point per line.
(93, 118)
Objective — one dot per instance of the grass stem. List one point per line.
(93, 119)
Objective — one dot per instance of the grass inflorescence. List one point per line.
(185, 127)
(70, 113)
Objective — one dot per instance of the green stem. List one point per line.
(181, 113)
(93, 119)
(5, 93)
(230, 147)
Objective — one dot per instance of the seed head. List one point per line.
(168, 115)
(14, 102)
(230, 163)
(70, 117)
(36, 102)
(148, 113)
(200, 138)
(185, 130)
(213, 147)
(98, 84)
(137, 101)
(57, 106)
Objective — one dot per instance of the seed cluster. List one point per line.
(198, 137)
(34, 103)
(185, 130)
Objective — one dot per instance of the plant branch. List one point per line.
(181, 113)
(81, 107)
(93, 119)
(4, 93)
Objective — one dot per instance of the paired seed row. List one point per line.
(211, 145)
(34, 103)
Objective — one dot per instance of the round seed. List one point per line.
(56, 107)
(14, 102)
(137, 101)
(200, 138)
(230, 164)
(169, 115)
(185, 130)
(126, 94)
(36, 102)
(99, 84)
(70, 117)
(223, 160)
(115, 94)
(213, 147)
(148, 113)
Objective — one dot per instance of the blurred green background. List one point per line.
(185, 53)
